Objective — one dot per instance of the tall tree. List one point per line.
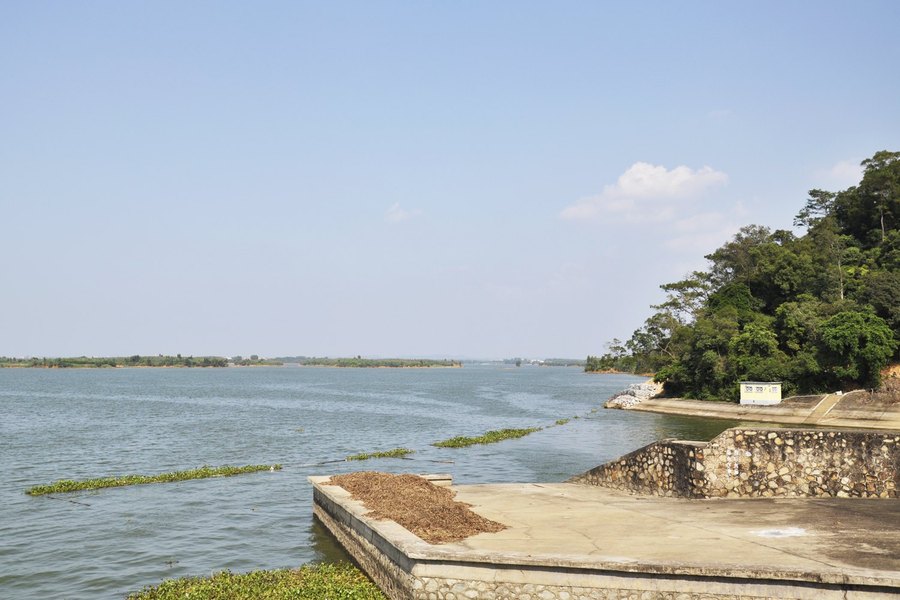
(871, 209)
(819, 205)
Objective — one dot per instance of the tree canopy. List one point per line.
(819, 311)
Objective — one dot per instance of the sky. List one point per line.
(407, 179)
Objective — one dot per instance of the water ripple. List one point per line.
(87, 423)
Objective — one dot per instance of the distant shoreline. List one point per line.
(165, 362)
(288, 365)
(301, 366)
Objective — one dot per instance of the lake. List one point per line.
(86, 423)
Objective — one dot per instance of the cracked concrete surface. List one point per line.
(833, 540)
(565, 537)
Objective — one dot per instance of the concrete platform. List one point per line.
(570, 541)
(835, 415)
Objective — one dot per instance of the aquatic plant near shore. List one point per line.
(69, 485)
(395, 453)
(491, 437)
(562, 421)
(309, 582)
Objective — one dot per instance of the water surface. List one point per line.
(78, 424)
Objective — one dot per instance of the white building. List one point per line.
(760, 393)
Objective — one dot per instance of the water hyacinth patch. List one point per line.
(395, 453)
(491, 437)
(339, 581)
(204, 472)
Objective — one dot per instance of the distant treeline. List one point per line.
(136, 360)
(255, 361)
(368, 362)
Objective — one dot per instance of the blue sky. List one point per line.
(478, 179)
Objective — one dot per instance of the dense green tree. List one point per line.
(882, 292)
(871, 209)
(817, 312)
(855, 347)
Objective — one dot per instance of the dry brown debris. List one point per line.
(427, 510)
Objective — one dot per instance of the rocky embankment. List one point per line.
(633, 395)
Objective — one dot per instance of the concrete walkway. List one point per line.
(573, 541)
(833, 416)
(822, 408)
(827, 540)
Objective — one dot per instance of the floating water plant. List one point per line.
(309, 582)
(491, 437)
(562, 421)
(69, 485)
(395, 453)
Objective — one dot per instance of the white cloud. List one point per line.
(842, 174)
(396, 214)
(645, 192)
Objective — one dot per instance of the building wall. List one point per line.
(760, 393)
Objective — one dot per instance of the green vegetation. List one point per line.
(359, 362)
(491, 437)
(395, 453)
(819, 311)
(255, 361)
(68, 485)
(562, 421)
(136, 360)
(309, 582)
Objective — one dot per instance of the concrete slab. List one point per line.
(565, 537)
(828, 540)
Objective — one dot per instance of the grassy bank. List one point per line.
(69, 485)
(310, 582)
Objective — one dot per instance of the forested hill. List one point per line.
(819, 311)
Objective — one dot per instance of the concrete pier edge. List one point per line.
(406, 567)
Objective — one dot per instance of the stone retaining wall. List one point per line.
(748, 463)
(666, 468)
(802, 462)
(385, 564)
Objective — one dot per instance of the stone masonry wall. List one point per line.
(666, 468)
(750, 463)
(387, 567)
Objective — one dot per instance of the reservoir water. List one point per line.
(85, 423)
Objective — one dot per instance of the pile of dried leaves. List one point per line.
(427, 510)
